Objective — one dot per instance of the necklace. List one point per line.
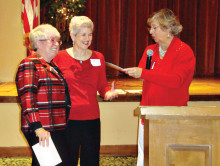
(81, 58)
(162, 52)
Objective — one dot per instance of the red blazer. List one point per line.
(167, 82)
(41, 93)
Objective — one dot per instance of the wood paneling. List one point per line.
(199, 155)
(182, 136)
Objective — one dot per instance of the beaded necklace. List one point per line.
(162, 52)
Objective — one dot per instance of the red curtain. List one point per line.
(121, 31)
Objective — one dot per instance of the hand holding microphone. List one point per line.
(137, 71)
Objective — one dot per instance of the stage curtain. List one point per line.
(121, 31)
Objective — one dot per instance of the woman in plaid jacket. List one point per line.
(43, 93)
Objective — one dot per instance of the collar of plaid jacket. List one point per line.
(46, 65)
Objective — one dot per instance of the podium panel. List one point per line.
(192, 154)
(181, 136)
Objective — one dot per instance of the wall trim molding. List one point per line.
(114, 150)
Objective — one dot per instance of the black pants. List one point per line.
(60, 142)
(84, 137)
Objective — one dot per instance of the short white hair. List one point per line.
(41, 32)
(77, 22)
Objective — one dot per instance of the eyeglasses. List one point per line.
(152, 28)
(53, 41)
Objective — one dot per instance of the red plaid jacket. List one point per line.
(41, 93)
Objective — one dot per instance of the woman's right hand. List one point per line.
(133, 72)
(111, 94)
(43, 136)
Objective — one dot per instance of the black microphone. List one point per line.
(149, 56)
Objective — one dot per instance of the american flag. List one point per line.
(29, 16)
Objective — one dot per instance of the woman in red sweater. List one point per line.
(167, 81)
(84, 71)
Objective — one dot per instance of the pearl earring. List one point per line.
(168, 35)
(73, 43)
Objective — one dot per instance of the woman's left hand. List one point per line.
(111, 94)
(133, 72)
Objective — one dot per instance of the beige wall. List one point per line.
(12, 50)
(10, 134)
(118, 124)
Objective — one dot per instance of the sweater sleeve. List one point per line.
(27, 87)
(181, 70)
(143, 61)
(102, 81)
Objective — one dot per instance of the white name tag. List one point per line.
(95, 62)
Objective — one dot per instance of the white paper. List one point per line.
(113, 66)
(133, 91)
(95, 62)
(120, 91)
(47, 156)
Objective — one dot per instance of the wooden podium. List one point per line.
(181, 136)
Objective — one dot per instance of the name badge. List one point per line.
(95, 62)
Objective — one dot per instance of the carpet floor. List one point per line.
(104, 161)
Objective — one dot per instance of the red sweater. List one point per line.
(84, 80)
(167, 84)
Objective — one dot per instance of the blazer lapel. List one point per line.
(47, 66)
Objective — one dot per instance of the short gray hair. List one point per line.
(166, 19)
(41, 32)
(77, 22)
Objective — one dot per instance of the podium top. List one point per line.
(178, 112)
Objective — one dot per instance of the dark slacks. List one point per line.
(60, 142)
(84, 138)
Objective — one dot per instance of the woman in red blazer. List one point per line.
(167, 80)
(43, 93)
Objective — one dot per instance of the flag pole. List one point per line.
(30, 18)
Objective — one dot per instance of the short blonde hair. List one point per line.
(166, 19)
(77, 22)
(41, 32)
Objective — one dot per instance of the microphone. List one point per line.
(149, 56)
